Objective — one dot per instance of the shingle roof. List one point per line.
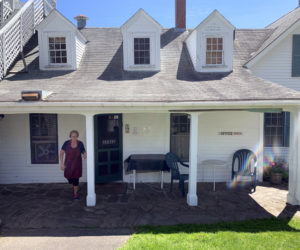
(277, 28)
(101, 78)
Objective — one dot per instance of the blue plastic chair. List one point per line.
(245, 159)
(172, 161)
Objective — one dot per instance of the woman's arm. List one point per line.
(84, 155)
(61, 159)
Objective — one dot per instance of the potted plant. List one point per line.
(278, 168)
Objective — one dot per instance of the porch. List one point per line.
(49, 206)
(215, 135)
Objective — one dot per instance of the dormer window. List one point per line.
(61, 44)
(210, 44)
(214, 51)
(57, 50)
(141, 51)
(141, 43)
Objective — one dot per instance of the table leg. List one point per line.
(134, 176)
(162, 180)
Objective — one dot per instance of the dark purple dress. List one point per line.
(73, 160)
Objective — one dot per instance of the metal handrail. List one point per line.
(19, 29)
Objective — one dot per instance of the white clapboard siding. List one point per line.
(80, 48)
(276, 64)
(152, 136)
(213, 146)
(15, 162)
(148, 134)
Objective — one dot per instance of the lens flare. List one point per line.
(242, 180)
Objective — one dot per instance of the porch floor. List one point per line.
(35, 206)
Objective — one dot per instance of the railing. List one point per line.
(19, 29)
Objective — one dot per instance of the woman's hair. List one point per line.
(74, 132)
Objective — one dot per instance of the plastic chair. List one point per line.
(172, 161)
(246, 160)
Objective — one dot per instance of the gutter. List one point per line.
(252, 103)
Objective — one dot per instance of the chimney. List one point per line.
(180, 14)
(81, 21)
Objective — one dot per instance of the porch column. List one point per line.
(260, 149)
(293, 196)
(91, 195)
(192, 198)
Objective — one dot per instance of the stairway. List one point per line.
(17, 25)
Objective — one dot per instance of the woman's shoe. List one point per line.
(76, 197)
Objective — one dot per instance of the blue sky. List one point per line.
(241, 13)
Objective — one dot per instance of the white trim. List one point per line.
(52, 16)
(223, 51)
(260, 149)
(136, 15)
(273, 44)
(294, 159)
(192, 198)
(217, 14)
(91, 194)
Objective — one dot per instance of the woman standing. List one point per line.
(72, 166)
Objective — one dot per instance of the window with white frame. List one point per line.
(43, 138)
(180, 136)
(277, 129)
(214, 51)
(57, 50)
(141, 51)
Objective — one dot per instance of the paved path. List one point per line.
(66, 239)
(44, 216)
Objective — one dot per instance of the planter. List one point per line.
(276, 178)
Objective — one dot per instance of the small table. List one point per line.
(146, 163)
(214, 164)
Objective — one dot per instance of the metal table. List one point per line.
(146, 163)
(214, 165)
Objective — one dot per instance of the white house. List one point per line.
(141, 89)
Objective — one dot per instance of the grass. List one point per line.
(252, 234)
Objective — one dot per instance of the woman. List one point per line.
(72, 166)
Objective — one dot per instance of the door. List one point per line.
(108, 147)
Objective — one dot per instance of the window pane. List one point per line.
(141, 50)
(43, 136)
(215, 46)
(58, 52)
(180, 135)
(274, 127)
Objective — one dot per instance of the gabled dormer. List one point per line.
(141, 43)
(210, 44)
(61, 44)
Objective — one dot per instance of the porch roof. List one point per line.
(101, 78)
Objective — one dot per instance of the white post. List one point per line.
(91, 195)
(192, 198)
(293, 196)
(260, 149)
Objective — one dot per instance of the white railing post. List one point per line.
(3, 54)
(2, 12)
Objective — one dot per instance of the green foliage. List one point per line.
(252, 234)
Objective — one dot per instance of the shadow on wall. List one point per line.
(186, 71)
(31, 54)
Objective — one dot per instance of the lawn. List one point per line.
(252, 234)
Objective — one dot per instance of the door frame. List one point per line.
(96, 129)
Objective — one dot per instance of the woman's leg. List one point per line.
(75, 186)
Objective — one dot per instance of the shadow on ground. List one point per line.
(49, 209)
